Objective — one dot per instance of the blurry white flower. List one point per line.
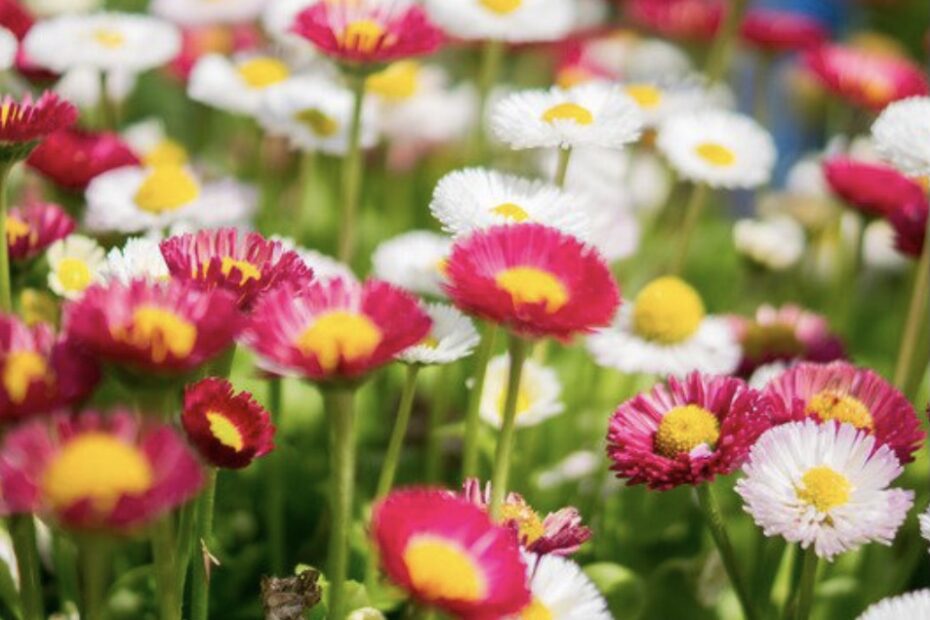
(365, 613)
(504, 20)
(82, 86)
(634, 179)
(8, 555)
(538, 398)
(452, 337)
(651, 59)
(879, 250)
(590, 14)
(50, 8)
(74, 263)
(8, 47)
(324, 267)
(414, 260)
(151, 142)
(576, 466)
(806, 177)
(236, 85)
(207, 12)
(560, 591)
(660, 99)
(615, 231)
(924, 519)
(764, 374)
(911, 606)
(139, 257)
(902, 135)
(776, 243)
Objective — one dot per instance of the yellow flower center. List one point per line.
(716, 154)
(339, 335)
(398, 82)
(824, 488)
(167, 188)
(667, 310)
(247, 269)
(441, 570)
(362, 35)
(319, 122)
(166, 153)
(442, 267)
(263, 72)
(528, 523)
(536, 610)
(20, 370)
(502, 7)
(225, 431)
(529, 285)
(684, 428)
(99, 467)
(524, 399)
(834, 405)
(568, 112)
(430, 342)
(73, 274)
(17, 229)
(109, 38)
(160, 331)
(511, 211)
(646, 96)
(6, 114)
(570, 77)
(877, 90)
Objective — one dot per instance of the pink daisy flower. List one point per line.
(865, 78)
(32, 228)
(447, 553)
(910, 227)
(535, 280)
(23, 123)
(679, 19)
(96, 472)
(245, 265)
(875, 189)
(782, 31)
(857, 396)
(40, 372)
(334, 330)
(368, 31)
(685, 432)
(72, 158)
(162, 327)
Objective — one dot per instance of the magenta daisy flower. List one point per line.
(162, 327)
(72, 158)
(32, 228)
(534, 280)
(447, 553)
(25, 122)
(857, 396)
(96, 472)
(333, 330)
(910, 227)
(246, 265)
(685, 432)
(875, 189)
(774, 31)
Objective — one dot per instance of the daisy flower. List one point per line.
(452, 337)
(686, 431)
(151, 142)
(859, 397)
(776, 242)
(514, 21)
(72, 158)
(74, 263)
(718, 148)
(8, 48)
(900, 135)
(447, 553)
(323, 266)
(414, 260)
(225, 39)
(538, 400)
(236, 85)
(111, 42)
(558, 533)
(139, 258)
(779, 31)
(560, 591)
(924, 519)
(874, 189)
(25, 122)
(228, 429)
(368, 31)
(665, 331)
(207, 12)
(910, 606)
(910, 227)
(594, 114)
(824, 485)
(477, 198)
(534, 280)
(153, 327)
(337, 330)
(660, 99)
(39, 371)
(34, 227)
(245, 265)
(97, 472)
(865, 78)
(690, 20)
(878, 248)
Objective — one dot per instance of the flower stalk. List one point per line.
(23, 533)
(693, 211)
(396, 443)
(916, 315)
(472, 417)
(805, 595)
(518, 351)
(200, 584)
(340, 410)
(6, 296)
(94, 560)
(274, 482)
(352, 174)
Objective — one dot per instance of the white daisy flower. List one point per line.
(127, 42)
(134, 199)
(477, 198)
(775, 243)
(207, 12)
(278, 17)
(140, 257)
(902, 135)
(314, 114)
(50, 8)
(594, 114)
(925, 524)
(659, 99)
(236, 85)
(878, 248)
(824, 485)
(615, 231)
(516, 21)
(560, 591)
(150, 141)
(8, 47)
(911, 606)
(414, 260)
(763, 375)
(719, 148)
(665, 331)
(452, 337)
(651, 59)
(324, 267)
(537, 401)
(82, 86)
(75, 263)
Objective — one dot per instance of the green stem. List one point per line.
(6, 296)
(166, 566)
(915, 315)
(718, 62)
(472, 417)
(396, 443)
(274, 482)
(187, 522)
(719, 532)
(308, 178)
(437, 415)
(805, 596)
(95, 572)
(200, 584)
(491, 56)
(561, 170)
(518, 351)
(340, 410)
(65, 560)
(692, 215)
(352, 174)
(23, 532)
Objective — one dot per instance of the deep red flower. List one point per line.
(15, 18)
(679, 19)
(72, 158)
(875, 189)
(910, 227)
(31, 229)
(782, 31)
(23, 123)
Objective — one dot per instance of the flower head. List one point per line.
(138, 258)
(72, 158)
(207, 12)
(782, 31)
(95, 471)
(538, 400)
(25, 122)
(9, 45)
(414, 260)
(775, 242)
(679, 19)
(447, 553)
(875, 189)
(515, 21)
(452, 337)
(914, 605)
(229, 430)
(900, 135)
(534, 280)
(33, 228)
(824, 485)
(560, 591)
(75, 263)
(910, 227)
(236, 85)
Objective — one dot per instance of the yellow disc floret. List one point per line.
(440, 569)
(160, 331)
(262, 72)
(167, 188)
(225, 432)
(684, 428)
(362, 35)
(398, 82)
(568, 112)
(529, 526)
(536, 610)
(109, 38)
(716, 154)
(824, 488)
(320, 123)
(501, 7)
(247, 269)
(17, 229)
(339, 335)
(511, 211)
(73, 274)
(529, 285)
(667, 310)
(646, 96)
(166, 153)
(20, 370)
(835, 405)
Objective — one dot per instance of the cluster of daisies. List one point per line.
(135, 288)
